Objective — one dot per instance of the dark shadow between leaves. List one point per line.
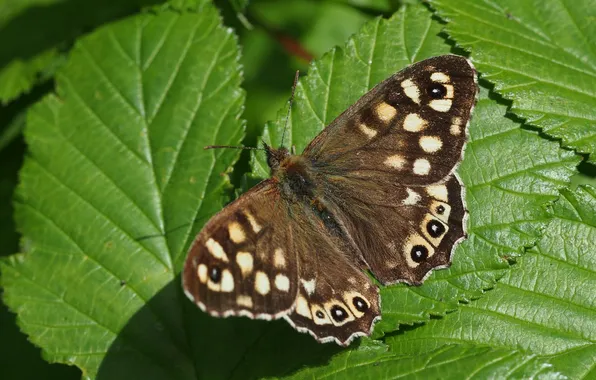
(170, 338)
(39, 28)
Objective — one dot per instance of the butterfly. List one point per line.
(376, 191)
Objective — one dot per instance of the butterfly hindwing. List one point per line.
(336, 300)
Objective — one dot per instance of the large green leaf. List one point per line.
(35, 34)
(517, 191)
(114, 183)
(449, 362)
(117, 163)
(541, 54)
(544, 306)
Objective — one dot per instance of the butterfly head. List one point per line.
(275, 157)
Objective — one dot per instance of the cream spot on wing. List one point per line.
(396, 161)
(309, 285)
(440, 77)
(430, 144)
(411, 90)
(282, 282)
(216, 250)
(449, 93)
(455, 129)
(236, 232)
(216, 287)
(262, 283)
(441, 210)
(414, 123)
(412, 199)
(227, 281)
(441, 105)
(279, 260)
(302, 307)
(456, 120)
(385, 112)
(202, 273)
(256, 227)
(245, 301)
(245, 261)
(438, 192)
(421, 166)
(369, 132)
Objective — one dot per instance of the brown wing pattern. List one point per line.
(242, 262)
(388, 165)
(374, 190)
(336, 300)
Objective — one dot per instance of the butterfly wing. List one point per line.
(265, 258)
(336, 300)
(388, 166)
(240, 263)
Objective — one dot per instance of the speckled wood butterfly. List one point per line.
(375, 191)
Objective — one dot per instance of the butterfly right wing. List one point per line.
(387, 168)
(240, 263)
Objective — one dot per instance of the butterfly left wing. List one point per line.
(263, 257)
(387, 167)
(240, 264)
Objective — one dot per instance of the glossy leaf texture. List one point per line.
(116, 186)
(448, 362)
(544, 306)
(539, 54)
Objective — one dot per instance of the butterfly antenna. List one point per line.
(290, 106)
(232, 147)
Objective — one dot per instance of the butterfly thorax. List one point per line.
(293, 175)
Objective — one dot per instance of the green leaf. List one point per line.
(114, 183)
(116, 163)
(36, 33)
(539, 54)
(518, 191)
(448, 362)
(544, 306)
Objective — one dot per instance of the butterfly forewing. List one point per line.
(375, 190)
(410, 128)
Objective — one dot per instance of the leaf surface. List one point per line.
(545, 305)
(539, 54)
(117, 185)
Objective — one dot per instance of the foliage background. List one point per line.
(537, 58)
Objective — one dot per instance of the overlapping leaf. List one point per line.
(544, 306)
(454, 362)
(116, 166)
(540, 54)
